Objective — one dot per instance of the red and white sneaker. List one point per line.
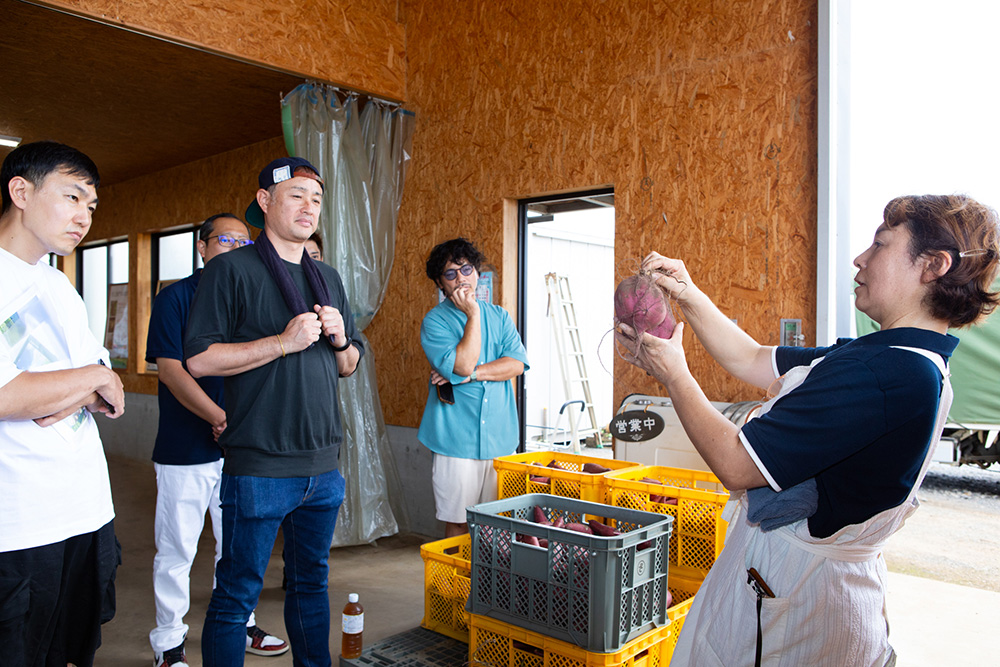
(261, 643)
(174, 656)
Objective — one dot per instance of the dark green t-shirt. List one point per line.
(283, 418)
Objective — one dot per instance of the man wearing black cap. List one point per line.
(278, 327)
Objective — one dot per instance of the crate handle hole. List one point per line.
(527, 648)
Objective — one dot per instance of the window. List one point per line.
(567, 285)
(101, 266)
(175, 256)
(907, 106)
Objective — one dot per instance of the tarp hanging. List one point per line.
(362, 156)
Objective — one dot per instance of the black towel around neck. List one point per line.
(279, 272)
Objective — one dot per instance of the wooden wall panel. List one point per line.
(356, 44)
(703, 111)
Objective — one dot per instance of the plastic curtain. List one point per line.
(362, 157)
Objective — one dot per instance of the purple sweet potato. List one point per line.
(538, 479)
(527, 539)
(643, 305)
(579, 527)
(539, 517)
(558, 522)
(594, 468)
(599, 528)
(655, 498)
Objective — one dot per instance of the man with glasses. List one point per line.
(470, 417)
(186, 457)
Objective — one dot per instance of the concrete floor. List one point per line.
(932, 623)
(388, 577)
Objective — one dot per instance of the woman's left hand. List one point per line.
(663, 359)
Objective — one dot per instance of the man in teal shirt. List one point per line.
(474, 351)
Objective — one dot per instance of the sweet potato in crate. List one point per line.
(447, 578)
(596, 592)
(695, 498)
(515, 473)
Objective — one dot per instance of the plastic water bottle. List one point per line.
(352, 626)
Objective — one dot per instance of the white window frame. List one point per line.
(834, 277)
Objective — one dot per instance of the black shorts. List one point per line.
(54, 598)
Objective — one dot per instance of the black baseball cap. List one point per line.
(282, 169)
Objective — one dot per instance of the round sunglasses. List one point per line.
(465, 270)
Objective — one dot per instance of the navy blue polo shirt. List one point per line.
(860, 423)
(183, 438)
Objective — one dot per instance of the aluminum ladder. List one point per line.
(569, 347)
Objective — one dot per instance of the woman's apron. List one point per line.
(829, 604)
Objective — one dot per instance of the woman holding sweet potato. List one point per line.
(830, 465)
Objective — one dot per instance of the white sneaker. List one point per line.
(174, 656)
(261, 643)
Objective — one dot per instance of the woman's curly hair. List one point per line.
(970, 233)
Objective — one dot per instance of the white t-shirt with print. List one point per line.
(53, 481)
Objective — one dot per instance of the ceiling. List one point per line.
(135, 104)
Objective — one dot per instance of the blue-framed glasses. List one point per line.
(465, 270)
(229, 241)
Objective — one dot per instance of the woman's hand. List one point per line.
(671, 275)
(663, 359)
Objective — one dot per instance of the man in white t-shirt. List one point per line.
(58, 552)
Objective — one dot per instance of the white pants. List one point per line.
(183, 495)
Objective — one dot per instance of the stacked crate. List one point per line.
(447, 579)
(536, 610)
(515, 473)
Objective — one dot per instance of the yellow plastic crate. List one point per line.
(498, 644)
(494, 643)
(514, 471)
(699, 529)
(447, 578)
(683, 590)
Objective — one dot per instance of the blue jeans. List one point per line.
(252, 509)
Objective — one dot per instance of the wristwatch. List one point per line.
(473, 376)
(347, 344)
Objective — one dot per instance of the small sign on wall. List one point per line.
(636, 425)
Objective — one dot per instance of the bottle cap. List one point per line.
(353, 597)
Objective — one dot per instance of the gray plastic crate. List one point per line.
(596, 592)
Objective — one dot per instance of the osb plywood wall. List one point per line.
(700, 111)
(357, 44)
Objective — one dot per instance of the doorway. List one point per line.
(566, 299)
